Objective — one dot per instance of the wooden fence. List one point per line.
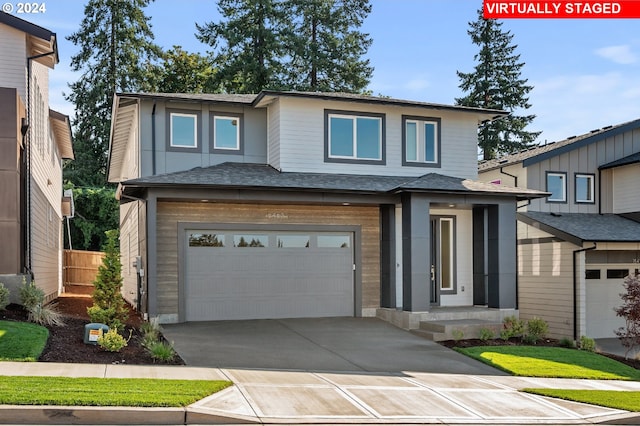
(81, 267)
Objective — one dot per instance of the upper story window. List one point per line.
(585, 188)
(354, 137)
(183, 130)
(557, 186)
(226, 133)
(421, 141)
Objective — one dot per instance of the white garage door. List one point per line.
(258, 274)
(603, 288)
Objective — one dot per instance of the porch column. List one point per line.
(502, 255)
(388, 256)
(416, 253)
(479, 256)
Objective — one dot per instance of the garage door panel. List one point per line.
(602, 296)
(226, 283)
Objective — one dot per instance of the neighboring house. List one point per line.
(291, 204)
(33, 142)
(576, 245)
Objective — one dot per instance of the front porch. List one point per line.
(443, 323)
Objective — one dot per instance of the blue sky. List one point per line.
(585, 72)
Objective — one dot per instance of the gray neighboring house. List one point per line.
(291, 204)
(576, 246)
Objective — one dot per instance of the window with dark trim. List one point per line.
(354, 137)
(557, 186)
(183, 130)
(420, 141)
(585, 188)
(226, 133)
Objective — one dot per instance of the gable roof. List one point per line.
(42, 44)
(539, 153)
(61, 127)
(578, 228)
(264, 177)
(631, 159)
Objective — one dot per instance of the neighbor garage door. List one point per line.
(251, 274)
(604, 285)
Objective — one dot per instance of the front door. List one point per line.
(442, 257)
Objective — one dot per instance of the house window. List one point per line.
(183, 130)
(226, 133)
(354, 137)
(446, 254)
(421, 141)
(557, 186)
(585, 188)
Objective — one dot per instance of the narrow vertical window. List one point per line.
(446, 254)
(412, 141)
(421, 142)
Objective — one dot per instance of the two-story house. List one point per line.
(291, 204)
(33, 142)
(576, 245)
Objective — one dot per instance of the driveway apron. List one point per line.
(315, 344)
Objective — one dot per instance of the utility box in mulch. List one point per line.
(93, 331)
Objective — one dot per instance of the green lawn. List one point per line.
(21, 341)
(540, 361)
(17, 390)
(622, 400)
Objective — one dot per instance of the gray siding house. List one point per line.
(291, 204)
(576, 246)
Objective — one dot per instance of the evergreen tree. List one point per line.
(115, 38)
(496, 83)
(247, 50)
(180, 72)
(325, 48)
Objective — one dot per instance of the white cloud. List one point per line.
(417, 84)
(620, 54)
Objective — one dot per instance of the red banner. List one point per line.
(546, 9)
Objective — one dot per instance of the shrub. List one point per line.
(457, 334)
(161, 351)
(537, 329)
(46, 315)
(486, 334)
(587, 344)
(4, 297)
(31, 295)
(150, 328)
(112, 341)
(511, 327)
(630, 310)
(565, 342)
(109, 306)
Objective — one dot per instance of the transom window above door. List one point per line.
(421, 141)
(354, 137)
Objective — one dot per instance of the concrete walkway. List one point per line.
(297, 397)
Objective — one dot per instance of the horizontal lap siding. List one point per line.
(170, 213)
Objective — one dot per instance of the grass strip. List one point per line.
(31, 390)
(21, 341)
(541, 361)
(622, 400)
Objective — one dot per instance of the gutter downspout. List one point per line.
(153, 139)
(599, 191)
(575, 288)
(515, 178)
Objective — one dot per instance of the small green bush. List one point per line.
(4, 297)
(457, 334)
(511, 327)
(150, 329)
(565, 342)
(46, 315)
(104, 316)
(31, 295)
(161, 351)
(112, 341)
(536, 329)
(486, 334)
(587, 344)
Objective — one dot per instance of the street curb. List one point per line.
(49, 414)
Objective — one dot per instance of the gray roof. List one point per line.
(539, 153)
(245, 99)
(631, 159)
(41, 41)
(244, 175)
(581, 227)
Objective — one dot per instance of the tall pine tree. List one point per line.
(325, 48)
(115, 39)
(180, 72)
(496, 83)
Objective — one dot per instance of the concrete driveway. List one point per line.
(315, 344)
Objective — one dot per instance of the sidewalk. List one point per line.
(295, 397)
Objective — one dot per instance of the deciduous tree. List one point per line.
(630, 311)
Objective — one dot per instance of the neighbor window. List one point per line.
(585, 188)
(592, 274)
(354, 137)
(617, 273)
(206, 240)
(293, 241)
(250, 240)
(557, 186)
(183, 130)
(226, 133)
(421, 141)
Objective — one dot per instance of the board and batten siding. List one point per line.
(13, 51)
(626, 189)
(545, 280)
(301, 142)
(130, 235)
(169, 214)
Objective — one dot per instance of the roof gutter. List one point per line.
(575, 287)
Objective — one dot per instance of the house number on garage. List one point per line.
(277, 216)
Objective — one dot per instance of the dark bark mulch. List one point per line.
(66, 343)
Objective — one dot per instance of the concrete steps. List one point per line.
(453, 329)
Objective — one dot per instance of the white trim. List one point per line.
(195, 129)
(563, 177)
(215, 140)
(421, 153)
(591, 179)
(354, 136)
(450, 238)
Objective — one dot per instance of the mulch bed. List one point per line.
(66, 343)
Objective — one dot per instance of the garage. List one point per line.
(259, 273)
(603, 288)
